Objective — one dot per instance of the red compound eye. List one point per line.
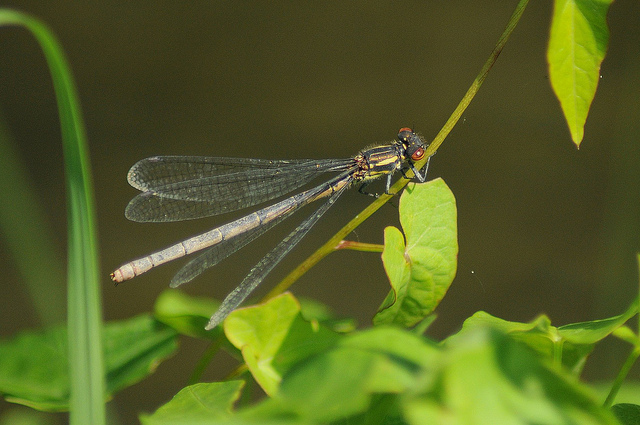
(418, 154)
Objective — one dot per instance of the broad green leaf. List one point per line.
(272, 336)
(398, 272)
(596, 330)
(570, 344)
(346, 378)
(627, 414)
(394, 342)
(343, 381)
(537, 334)
(389, 375)
(186, 314)
(420, 270)
(577, 45)
(258, 332)
(486, 377)
(204, 403)
(481, 377)
(399, 355)
(331, 385)
(34, 369)
(134, 348)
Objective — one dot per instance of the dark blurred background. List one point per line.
(543, 227)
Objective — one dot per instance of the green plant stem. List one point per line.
(237, 372)
(332, 243)
(557, 352)
(359, 246)
(327, 248)
(628, 364)
(624, 371)
(84, 323)
(205, 359)
(475, 86)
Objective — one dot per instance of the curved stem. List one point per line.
(332, 243)
(628, 364)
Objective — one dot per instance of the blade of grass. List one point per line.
(86, 364)
(334, 242)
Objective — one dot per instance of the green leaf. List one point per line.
(343, 381)
(627, 414)
(595, 330)
(273, 336)
(537, 334)
(570, 344)
(399, 274)
(186, 314)
(328, 376)
(390, 375)
(331, 385)
(204, 403)
(486, 377)
(394, 342)
(421, 270)
(34, 368)
(577, 45)
(134, 348)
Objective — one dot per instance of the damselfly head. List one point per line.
(413, 144)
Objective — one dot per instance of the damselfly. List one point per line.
(176, 188)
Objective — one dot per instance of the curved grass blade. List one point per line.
(84, 312)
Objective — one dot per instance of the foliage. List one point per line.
(313, 367)
(577, 45)
(35, 369)
(420, 270)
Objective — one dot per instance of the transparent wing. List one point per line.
(181, 188)
(264, 267)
